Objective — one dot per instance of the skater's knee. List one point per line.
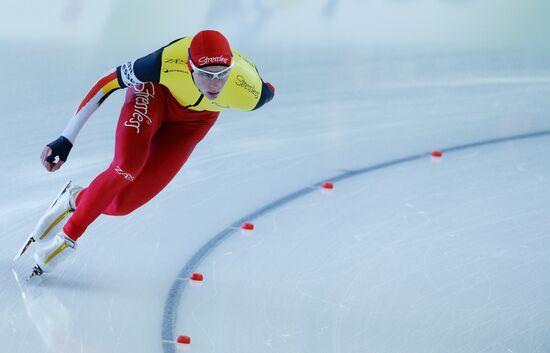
(119, 210)
(121, 206)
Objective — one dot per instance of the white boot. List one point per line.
(53, 253)
(58, 214)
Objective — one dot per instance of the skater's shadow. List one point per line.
(83, 283)
(67, 280)
(47, 311)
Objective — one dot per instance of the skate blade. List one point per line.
(23, 281)
(36, 272)
(24, 247)
(65, 187)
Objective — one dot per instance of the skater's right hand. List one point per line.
(55, 153)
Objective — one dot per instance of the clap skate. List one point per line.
(53, 253)
(55, 217)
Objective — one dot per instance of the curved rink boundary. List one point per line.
(171, 306)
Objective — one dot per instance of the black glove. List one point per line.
(60, 147)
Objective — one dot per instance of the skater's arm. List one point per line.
(96, 95)
(268, 92)
(56, 152)
(132, 73)
(145, 69)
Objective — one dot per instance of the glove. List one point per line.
(60, 148)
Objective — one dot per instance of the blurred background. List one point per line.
(86, 38)
(368, 42)
(420, 23)
(109, 27)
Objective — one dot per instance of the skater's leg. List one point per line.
(140, 118)
(170, 149)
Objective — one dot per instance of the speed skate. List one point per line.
(55, 217)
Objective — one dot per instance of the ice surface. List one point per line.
(415, 255)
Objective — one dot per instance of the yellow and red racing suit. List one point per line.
(244, 90)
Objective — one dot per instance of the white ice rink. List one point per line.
(408, 253)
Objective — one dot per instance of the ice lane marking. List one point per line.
(173, 299)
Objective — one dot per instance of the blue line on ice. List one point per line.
(178, 287)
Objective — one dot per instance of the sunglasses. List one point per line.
(220, 75)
